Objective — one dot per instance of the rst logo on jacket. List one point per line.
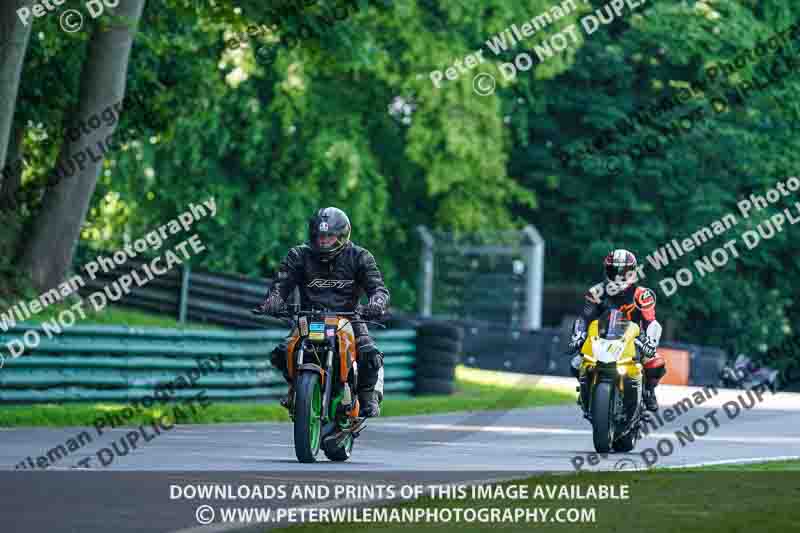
(328, 283)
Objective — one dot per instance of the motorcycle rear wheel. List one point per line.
(307, 417)
(602, 425)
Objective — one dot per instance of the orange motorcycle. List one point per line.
(322, 363)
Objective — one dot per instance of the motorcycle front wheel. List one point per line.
(602, 425)
(307, 417)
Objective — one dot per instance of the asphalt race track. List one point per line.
(435, 448)
(540, 439)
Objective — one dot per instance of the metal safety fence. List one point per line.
(186, 293)
(113, 363)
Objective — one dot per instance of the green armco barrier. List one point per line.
(119, 364)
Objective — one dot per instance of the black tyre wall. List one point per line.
(439, 348)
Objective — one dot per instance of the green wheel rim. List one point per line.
(315, 423)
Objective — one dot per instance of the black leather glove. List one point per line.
(273, 305)
(646, 345)
(375, 308)
(577, 340)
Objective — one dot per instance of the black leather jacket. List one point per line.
(336, 285)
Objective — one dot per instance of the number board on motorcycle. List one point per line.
(316, 331)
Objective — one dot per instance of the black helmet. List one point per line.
(328, 232)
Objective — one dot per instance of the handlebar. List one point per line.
(288, 313)
(291, 313)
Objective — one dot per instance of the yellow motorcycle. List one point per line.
(611, 379)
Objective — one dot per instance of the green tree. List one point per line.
(616, 199)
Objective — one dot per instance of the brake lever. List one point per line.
(356, 319)
(283, 315)
(370, 322)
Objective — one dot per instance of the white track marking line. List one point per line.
(487, 429)
(734, 438)
(562, 431)
(458, 443)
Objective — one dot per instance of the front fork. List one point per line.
(297, 363)
(627, 399)
(584, 389)
(326, 394)
(587, 380)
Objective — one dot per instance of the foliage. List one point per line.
(697, 178)
(352, 119)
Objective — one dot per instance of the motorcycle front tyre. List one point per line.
(307, 417)
(602, 425)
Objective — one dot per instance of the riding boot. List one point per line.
(288, 400)
(649, 398)
(369, 403)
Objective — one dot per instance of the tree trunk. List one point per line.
(13, 43)
(48, 254)
(9, 187)
(11, 230)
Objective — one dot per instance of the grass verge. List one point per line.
(769, 466)
(659, 502)
(469, 396)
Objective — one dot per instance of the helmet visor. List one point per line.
(618, 272)
(327, 241)
(328, 233)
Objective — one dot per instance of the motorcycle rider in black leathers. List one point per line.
(637, 304)
(331, 272)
